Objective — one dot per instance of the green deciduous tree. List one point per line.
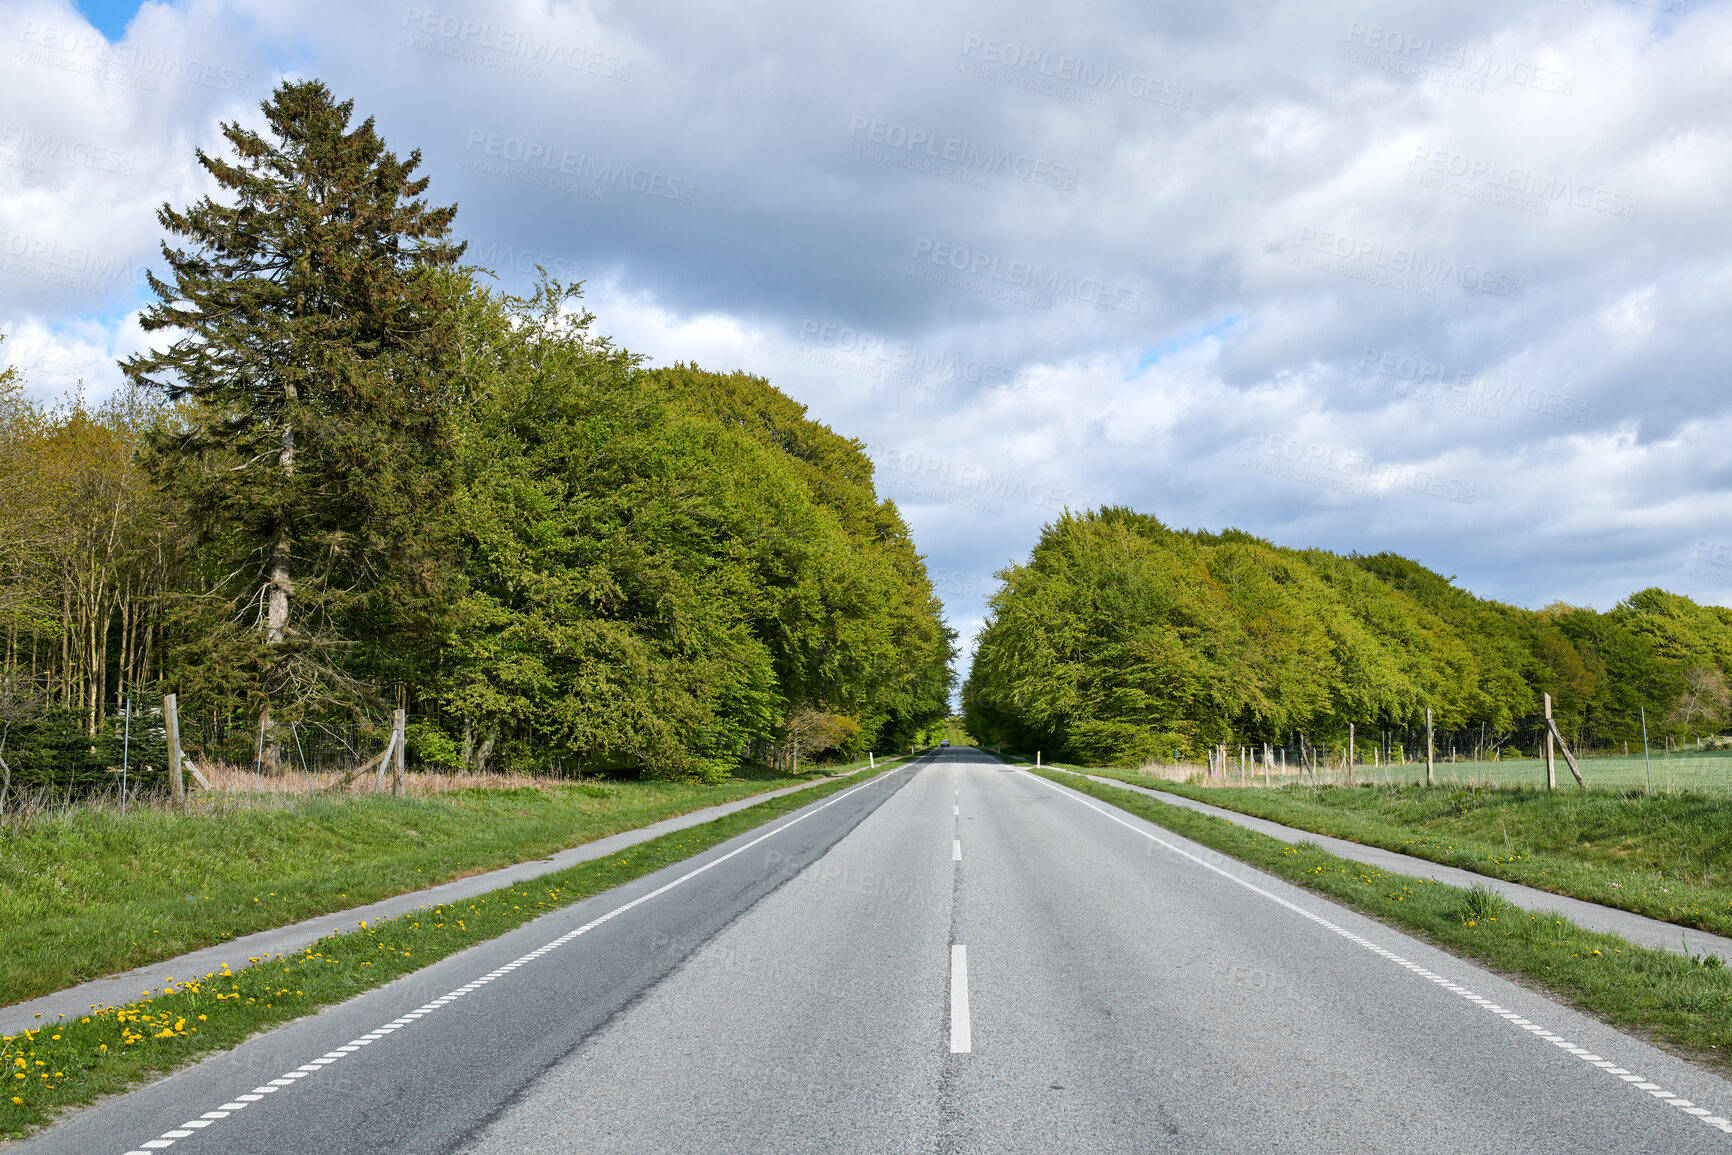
(1123, 640)
(668, 570)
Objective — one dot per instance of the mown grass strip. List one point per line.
(1665, 857)
(75, 1061)
(1681, 1001)
(89, 894)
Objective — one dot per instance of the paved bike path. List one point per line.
(1639, 929)
(129, 986)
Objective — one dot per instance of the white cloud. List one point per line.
(1549, 255)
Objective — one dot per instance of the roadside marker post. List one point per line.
(1551, 766)
(1351, 747)
(1647, 763)
(1430, 775)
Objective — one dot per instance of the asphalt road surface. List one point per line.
(956, 956)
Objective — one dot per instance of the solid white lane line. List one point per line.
(961, 1029)
(1537, 1031)
(956, 850)
(319, 1064)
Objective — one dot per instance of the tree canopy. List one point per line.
(357, 478)
(1123, 640)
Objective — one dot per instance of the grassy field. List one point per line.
(1683, 1002)
(84, 892)
(76, 1061)
(1709, 772)
(1667, 857)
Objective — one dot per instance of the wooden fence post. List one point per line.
(171, 722)
(1551, 766)
(1552, 731)
(1430, 776)
(398, 756)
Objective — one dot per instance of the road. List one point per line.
(957, 956)
(284, 940)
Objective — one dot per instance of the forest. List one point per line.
(352, 476)
(1123, 641)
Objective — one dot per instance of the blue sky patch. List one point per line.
(1165, 349)
(110, 17)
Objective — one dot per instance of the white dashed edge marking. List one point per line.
(1639, 1082)
(289, 1078)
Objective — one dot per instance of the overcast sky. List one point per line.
(1449, 280)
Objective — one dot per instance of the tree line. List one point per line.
(354, 476)
(1122, 640)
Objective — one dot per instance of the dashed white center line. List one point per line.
(956, 810)
(956, 850)
(1638, 1081)
(961, 1031)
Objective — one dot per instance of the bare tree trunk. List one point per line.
(142, 673)
(65, 643)
(123, 672)
(279, 589)
(102, 661)
(485, 753)
(88, 635)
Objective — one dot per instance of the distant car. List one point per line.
(944, 742)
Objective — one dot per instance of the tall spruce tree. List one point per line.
(316, 320)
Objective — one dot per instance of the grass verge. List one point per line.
(87, 893)
(74, 1062)
(1680, 1001)
(1666, 857)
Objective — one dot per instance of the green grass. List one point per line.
(74, 1062)
(86, 893)
(1708, 772)
(1683, 1002)
(1667, 857)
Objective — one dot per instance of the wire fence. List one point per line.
(1706, 771)
(52, 757)
(55, 758)
(305, 747)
